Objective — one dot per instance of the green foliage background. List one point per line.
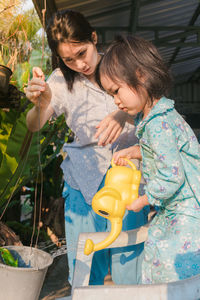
(22, 47)
(19, 148)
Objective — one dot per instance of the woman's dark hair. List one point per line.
(132, 58)
(65, 26)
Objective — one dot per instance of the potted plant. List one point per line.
(5, 74)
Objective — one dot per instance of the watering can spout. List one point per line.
(116, 227)
(120, 189)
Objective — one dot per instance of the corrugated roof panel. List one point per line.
(157, 14)
(173, 13)
(167, 12)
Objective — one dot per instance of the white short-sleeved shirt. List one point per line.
(84, 107)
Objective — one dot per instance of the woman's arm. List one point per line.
(110, 128)
(37, 117)
(39, 93)
(130, 119)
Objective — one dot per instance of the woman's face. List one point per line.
(80, 57)
(127, 99)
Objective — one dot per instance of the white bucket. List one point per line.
(25, 281)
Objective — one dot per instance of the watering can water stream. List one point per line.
(120, 189)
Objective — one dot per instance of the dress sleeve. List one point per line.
(59, 91)
(168, 175)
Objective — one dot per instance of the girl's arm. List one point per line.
(39, 93)
(168, 170)
(132, 152)
(138, 204)
(110, 128)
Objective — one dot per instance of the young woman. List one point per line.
(90, 113)
(133, 72)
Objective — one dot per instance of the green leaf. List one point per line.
(19, 150)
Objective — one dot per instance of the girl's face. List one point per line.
(80, 57)
(127, 99)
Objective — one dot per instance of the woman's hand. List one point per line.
(138, 204)
(132, 152)
(38, 91)
(110, 128)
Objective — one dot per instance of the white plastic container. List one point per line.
(25, 281)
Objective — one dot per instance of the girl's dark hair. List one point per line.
(65, 26)
(132, 58)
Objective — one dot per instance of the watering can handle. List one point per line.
(131, 164)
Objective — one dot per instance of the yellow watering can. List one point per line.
(120, 189)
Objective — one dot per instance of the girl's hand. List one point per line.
(132, 152)
(138, 204)
(38, 91)
(110, 127)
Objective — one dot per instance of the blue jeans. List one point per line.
(124, 263)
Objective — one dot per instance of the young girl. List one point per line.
(72, 90)
(133, 72)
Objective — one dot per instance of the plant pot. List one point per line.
(5, 74)
(25, 281)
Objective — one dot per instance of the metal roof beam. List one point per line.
(133, 21)
(186, 58)
(192, 22)
(109, 12)
(152, 28)
(167, 41)
(149, 2)
(176, 44)
(195, 76)
(168, 28)
(187, 31)
(166, 45)
(50, 8)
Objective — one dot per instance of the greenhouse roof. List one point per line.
(172, 25)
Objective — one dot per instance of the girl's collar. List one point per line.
(161, 107)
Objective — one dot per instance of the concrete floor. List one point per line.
(56, 285)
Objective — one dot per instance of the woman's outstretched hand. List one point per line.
(110, 128)
(38, 91)
(132, 152)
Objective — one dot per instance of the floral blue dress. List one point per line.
(171, 168)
